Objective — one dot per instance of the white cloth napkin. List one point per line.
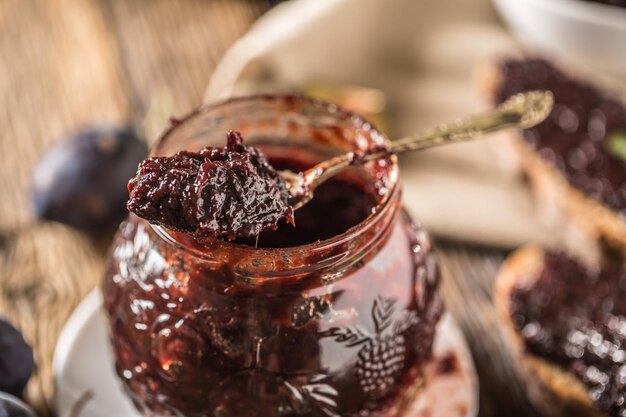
(423, 55)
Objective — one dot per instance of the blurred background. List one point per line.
(96, 81)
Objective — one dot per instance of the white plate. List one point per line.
(83, 363)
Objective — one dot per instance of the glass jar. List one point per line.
(340, 326)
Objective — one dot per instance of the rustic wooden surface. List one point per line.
(69, 63)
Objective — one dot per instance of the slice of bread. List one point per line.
(554, 390)
(588, 222)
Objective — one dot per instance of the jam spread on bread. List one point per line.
(574, 316)
(231, 191)
(584, 138)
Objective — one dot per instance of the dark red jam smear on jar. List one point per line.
(575, 316)
(231, 191)
(577, 136)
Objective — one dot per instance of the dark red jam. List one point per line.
(231, 191)
(584, 137)
(340, 330)
(342, 202)
(575, 317)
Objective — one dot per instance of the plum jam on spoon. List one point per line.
(234, 192)
(230, 191)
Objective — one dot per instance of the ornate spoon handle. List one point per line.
(520, 111)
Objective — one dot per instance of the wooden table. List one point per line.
(70, 63)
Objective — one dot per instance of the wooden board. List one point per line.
(69, 63)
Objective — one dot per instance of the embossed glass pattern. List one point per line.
(340, 327)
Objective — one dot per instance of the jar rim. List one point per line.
(390, 199)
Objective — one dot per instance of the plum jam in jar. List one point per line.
(333, 317)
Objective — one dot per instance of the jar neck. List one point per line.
(299, 129)
(329, 259)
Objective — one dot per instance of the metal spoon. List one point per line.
(520, 111)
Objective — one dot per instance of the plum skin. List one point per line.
(13, 407)
(81, 182)
(16, 360)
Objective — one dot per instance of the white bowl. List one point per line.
(588, 34)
